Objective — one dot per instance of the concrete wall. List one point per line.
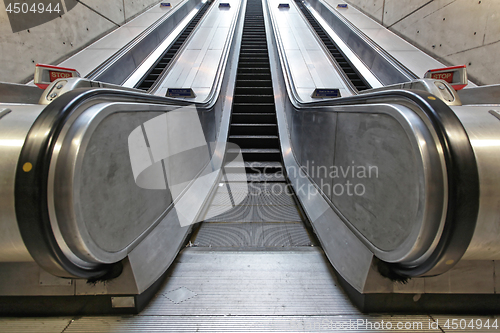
(61, 37)
(456, 32)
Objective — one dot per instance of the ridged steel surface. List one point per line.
(227, 282)
(252, 235)
(249, 291)
(38, 325)
(271, 323)
(254, 213)
(256, 202)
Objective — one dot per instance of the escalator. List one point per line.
(255, 247)
(253, 124)
(150, 78)
(268, 216)
(345, 64)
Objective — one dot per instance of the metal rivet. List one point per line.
(59, 86)
(54, 95)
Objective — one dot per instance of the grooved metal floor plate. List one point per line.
(268, 194)
(296, 281)
(248, 291)
(252, 235)
(241, 324)
(253, 202)
(261, 213)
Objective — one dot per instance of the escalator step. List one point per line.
(256, 155)
(255, 141)
(254, 107)
(260, 91)
(253, 70)
(255, 64)
(255, 167)
(253, 129)
(253, 98)
(253, 83)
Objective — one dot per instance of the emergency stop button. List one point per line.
(456, 76)
(46, 74)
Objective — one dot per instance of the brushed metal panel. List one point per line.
(14, 127)
(118, 212)
(483, 130)
(28, 279)
(321, 133)
(386, 211)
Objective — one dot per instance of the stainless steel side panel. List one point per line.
(14, 127)
(483, 128)
(19, 93)
(380, 170)
(481, 95)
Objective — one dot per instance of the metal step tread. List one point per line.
(252, 234)
(254, 150)
(252, 177)
(256, 165)
(253, 114)
(251, 283)
(253, 104)
(256, 125)
(253, 137)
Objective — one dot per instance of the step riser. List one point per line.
(253, 119)
(256, 143)
(258, 91)
(253, 130)
(254, 99)
(254, 108)
(240, 83)
(256, 157)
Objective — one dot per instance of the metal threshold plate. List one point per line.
(228, 290)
